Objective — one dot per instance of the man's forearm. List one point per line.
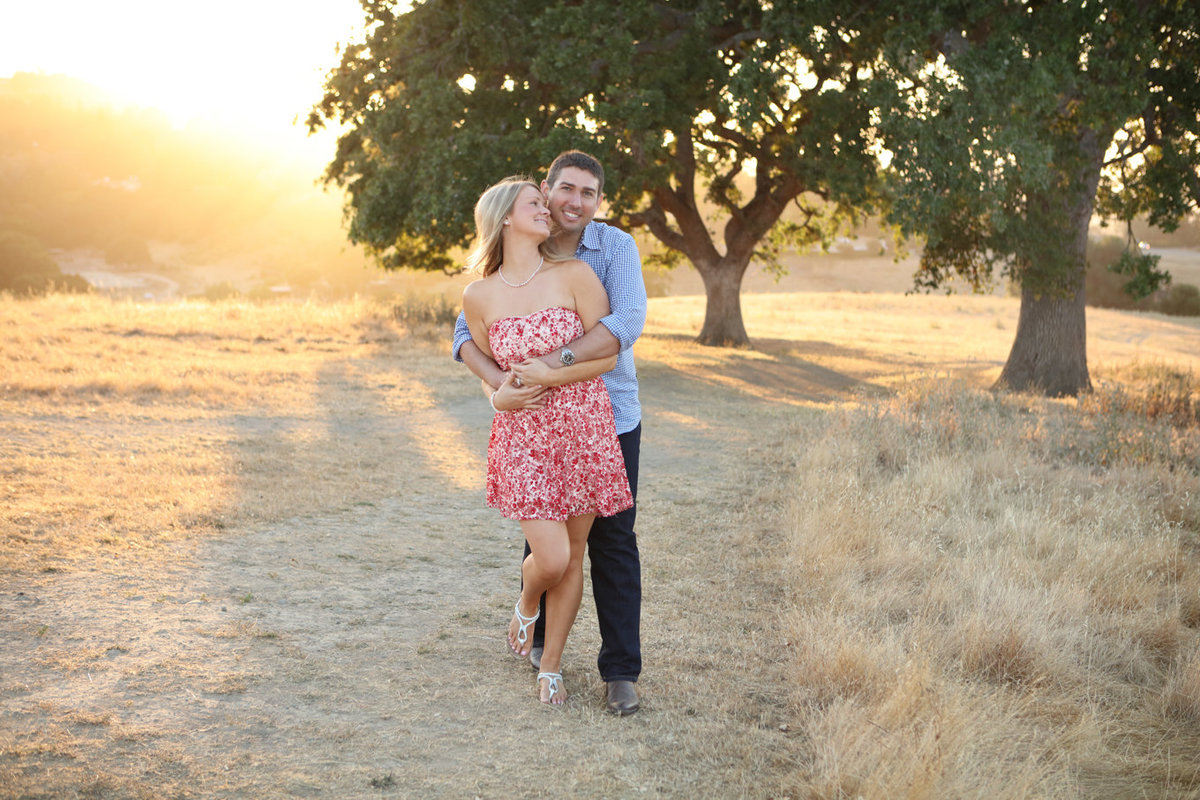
(481, 365)
(596, 344)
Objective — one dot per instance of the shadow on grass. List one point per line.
(776, 371)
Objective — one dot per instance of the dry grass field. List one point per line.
(244, 554)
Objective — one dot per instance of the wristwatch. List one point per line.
(567, 358)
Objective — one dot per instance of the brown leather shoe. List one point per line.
(622, 698)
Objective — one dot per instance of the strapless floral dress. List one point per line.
(561, 460)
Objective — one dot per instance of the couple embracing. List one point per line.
(549, 328)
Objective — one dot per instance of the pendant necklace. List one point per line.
(500, 272)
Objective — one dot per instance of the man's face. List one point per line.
(573, 199)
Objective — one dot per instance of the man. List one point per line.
(574, 189)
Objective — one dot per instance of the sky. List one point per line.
(254, 66)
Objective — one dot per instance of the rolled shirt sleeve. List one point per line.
(462, 335)
(626, 291)
(613, 255)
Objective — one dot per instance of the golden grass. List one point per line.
(886, 339)
(860, 582)
(985, 608)
(128, 425)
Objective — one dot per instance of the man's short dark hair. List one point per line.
(578, 159)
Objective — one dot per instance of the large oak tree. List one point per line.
(713, 118)
(1014, 122)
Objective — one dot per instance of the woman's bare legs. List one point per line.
(562, 606)
(549, 555)
(554, 566)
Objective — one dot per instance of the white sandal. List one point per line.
(523, 630)
(555, 679)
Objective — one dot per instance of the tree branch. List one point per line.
(1150, 139)
(655, 220)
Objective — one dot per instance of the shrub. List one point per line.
(25, 263)
(266, 292)
(1180, 300)
(1152, 391)
(1104, 288)
(27, 268)
(47, 284)
(221, 291)
(1141, 413)
(416, 310)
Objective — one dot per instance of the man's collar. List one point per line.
(591, 236)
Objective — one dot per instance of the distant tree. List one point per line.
(23, 257)
(1013, 121)
(704, 112)
(26, 266)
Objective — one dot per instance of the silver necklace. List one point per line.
(500, 271)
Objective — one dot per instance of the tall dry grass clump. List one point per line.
(997, 596)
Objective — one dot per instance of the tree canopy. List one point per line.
(703, 112)
(1008, 123)
(1012, 121)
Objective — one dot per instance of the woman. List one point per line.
(557, 464)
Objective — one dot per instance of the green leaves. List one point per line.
(1023, 116)
(1145, 278)
(745, 103)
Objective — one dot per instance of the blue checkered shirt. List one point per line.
(612, 253)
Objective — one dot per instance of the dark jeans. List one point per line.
(616, 581)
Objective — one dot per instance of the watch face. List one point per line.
(567, 357)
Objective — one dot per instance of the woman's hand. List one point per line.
(516, 394)
(534, 372)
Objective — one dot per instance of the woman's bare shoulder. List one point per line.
(476, 292)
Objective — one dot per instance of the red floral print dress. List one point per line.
(562, 460)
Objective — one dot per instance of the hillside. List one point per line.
(123, 191)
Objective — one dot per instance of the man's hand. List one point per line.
(511, 396)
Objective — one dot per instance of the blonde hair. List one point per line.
(493, 206)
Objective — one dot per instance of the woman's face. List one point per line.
(530, 215)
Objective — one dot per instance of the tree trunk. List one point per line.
(723, 325)
(1049, 354)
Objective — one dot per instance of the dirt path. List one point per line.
(353, 647)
